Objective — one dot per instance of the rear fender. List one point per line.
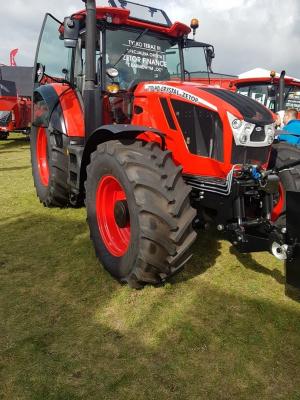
(60, 104)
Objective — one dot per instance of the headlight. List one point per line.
(243, 138)
(113, 88)
(251, 135)
(248, 128)
(270, 139)
(241, 130)
(236, 123)
(270, 133)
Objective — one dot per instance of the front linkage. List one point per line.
(244, 214)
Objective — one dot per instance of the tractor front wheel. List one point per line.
(282, 154)
(139, 212)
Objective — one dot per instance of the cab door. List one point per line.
(53, 61)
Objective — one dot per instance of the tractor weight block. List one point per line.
(292, 264)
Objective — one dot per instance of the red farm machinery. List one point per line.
(15, 100)
(119, 124)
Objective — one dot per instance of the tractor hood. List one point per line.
(216, 99)
(215, 123)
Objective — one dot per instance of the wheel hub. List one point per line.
(113, 215)
(121, 213)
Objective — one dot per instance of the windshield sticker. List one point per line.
(178, 92)
(146, 56)
(293, 100)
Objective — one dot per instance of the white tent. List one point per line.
(261, 73)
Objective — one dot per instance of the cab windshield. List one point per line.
(142, 56)
(145, 56)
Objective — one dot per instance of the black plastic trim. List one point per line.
(167, 111)
(251, 110)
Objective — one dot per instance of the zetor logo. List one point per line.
(178, 92)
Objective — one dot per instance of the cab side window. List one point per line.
(52, 54)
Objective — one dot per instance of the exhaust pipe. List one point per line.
(281, 92)
(90, 65)
(92, 93)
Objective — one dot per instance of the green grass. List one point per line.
(222, 329)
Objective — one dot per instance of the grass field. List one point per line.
(222, 329)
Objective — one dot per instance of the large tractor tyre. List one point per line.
(49, 168)
(3, 136)
(139, 212)
(282, 154)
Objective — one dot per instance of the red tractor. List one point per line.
(118, 124)
(15, 100)
(277, 92)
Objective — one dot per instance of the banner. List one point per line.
(13, 54)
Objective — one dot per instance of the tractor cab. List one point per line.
(133, 43)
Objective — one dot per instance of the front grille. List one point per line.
(250, 155)
(202, 129)
(258, 134)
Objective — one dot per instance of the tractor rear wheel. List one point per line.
(282, 154)
(3, 136)
(49, 168)
(139, 212)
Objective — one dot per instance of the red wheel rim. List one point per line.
(115, 238)
(277, 210)
(42, 156)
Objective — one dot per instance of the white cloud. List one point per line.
(245, 33)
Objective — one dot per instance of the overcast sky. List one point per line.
(246, 33)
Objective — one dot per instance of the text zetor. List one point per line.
(154, 155)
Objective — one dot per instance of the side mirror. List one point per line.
(112, 73)
(271, 91)
(210, 55)
(40, 72)
(71, 32)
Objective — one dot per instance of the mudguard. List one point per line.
(59, 104)
(292, 264)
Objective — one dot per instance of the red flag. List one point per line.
(13, 54)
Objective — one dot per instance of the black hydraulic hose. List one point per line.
(287, 166)
(292, 164)
(281, 92)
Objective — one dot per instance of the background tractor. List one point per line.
(117, 122)
(15, 100)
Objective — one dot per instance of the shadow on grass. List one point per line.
(69, 331)
(15, 168)
(248, 262)
(205, 251)
(12, 143)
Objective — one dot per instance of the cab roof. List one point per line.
(121, 16)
